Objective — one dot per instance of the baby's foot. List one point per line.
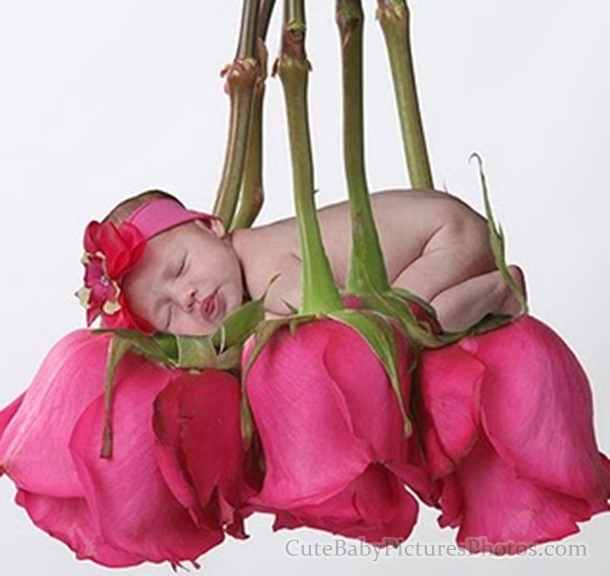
(509, 304)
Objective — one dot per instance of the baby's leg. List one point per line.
(457, 274)
(462, 305)
(455, 251)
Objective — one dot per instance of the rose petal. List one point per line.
(8, 413)
(34, 446)
(374, 507)
(69, 520)
(450, 383)
(303, 419)
(363, 381)
(168, 446)
(197, 418)
(127, 494)
(450, 502)
(537, 409)
(499, 507)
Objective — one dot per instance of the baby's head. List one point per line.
(153, 265)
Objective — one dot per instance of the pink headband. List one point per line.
(161, 214)
(113, 251)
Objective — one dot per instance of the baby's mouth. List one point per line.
(213, 306)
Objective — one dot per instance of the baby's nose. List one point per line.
(186, 297)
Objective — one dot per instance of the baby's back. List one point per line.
(406, 221)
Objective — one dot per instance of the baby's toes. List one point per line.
(519, 277)
(510, 304)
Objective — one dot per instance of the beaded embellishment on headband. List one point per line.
(112, 251)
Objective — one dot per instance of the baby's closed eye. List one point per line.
(181, 268)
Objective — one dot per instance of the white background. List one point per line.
(100, 100)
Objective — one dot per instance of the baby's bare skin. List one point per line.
(434, 245)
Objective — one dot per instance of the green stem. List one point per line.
(366, 271)
(264, 17)
(248, 30)
(251, 195)
(240, 80)
(319, 294)
(394, 17)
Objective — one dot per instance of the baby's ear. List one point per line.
(214, 225)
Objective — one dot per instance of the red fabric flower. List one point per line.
(110, 253)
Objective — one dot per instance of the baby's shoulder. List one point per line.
(266, 252)
(276, 238)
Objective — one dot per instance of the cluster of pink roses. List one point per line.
(178, 478)
(502, 443)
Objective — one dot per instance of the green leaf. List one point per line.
(229, 359)
(410, 297)
(221, 350)
(391, 304)
(196, 352)
(486, 324)
(239, 325)
(366, 271)
(293, 309)
(380, 335)
(496, 238)
(160, 346)
(119, 346)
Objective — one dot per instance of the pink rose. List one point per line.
(508, 433)
(332, 434)
(124, 510)
(199, 449)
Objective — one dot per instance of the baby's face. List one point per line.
(188, 281)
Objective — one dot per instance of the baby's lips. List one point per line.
(213, 306)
